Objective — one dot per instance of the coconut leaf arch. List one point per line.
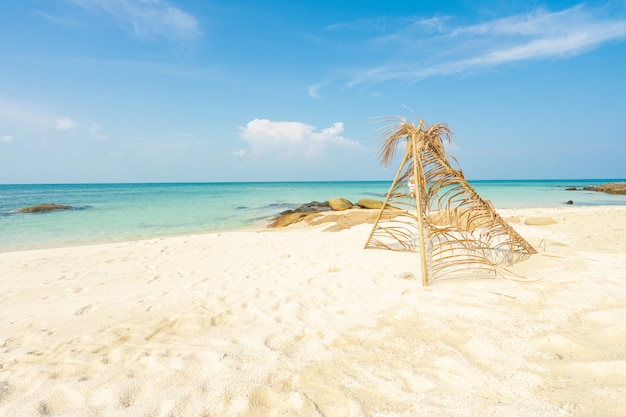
(445, 219)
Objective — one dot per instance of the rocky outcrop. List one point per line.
(368, 203)
(339, 204)
(611, 188)
(39, 208)
(289, 217)
(312, 213)
(312, 206)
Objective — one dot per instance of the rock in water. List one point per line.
(43, 207)
(339, 204)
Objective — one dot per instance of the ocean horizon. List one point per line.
(109, 212)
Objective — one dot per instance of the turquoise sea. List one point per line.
(113, 212)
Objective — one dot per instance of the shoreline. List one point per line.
(299, 321)
(62, 245)
(130, 212)
(262, 225)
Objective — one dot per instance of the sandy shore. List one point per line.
(303, 322)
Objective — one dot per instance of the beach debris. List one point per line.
(409, 276)
(443, 217)
(610, 188)
(39, 208)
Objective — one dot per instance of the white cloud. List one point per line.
(65, 123)
(313, 90)
(440, 49)
(148, 18)
(289, 139)
(96, 132)
(7, 139)
(543, 34)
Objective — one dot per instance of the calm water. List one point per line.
(109, 212)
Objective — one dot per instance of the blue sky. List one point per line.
(184, 90)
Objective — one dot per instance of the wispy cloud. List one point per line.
(437, 47)
(95, 130)
(314, 88)
(289, 139)
(540, 34)
(21, 116)
(65, 123)
(147, 19)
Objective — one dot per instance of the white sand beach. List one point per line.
(305, 322)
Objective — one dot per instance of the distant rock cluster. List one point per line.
(43, 207)
(611, 188)
(311, 211)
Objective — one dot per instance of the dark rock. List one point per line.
(339, 204)
(571, 189)
(569, 202)
(314, 205)
(298, 214)
(611, 188)
(43, 207)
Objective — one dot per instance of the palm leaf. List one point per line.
(447, 221)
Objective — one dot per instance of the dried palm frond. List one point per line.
(445, 220)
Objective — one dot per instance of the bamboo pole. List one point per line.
(419, 187)
(393, 184)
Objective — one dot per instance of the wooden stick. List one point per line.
(419, 187)
(395, 181)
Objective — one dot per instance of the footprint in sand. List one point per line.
(154, 278)
(86, 309)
